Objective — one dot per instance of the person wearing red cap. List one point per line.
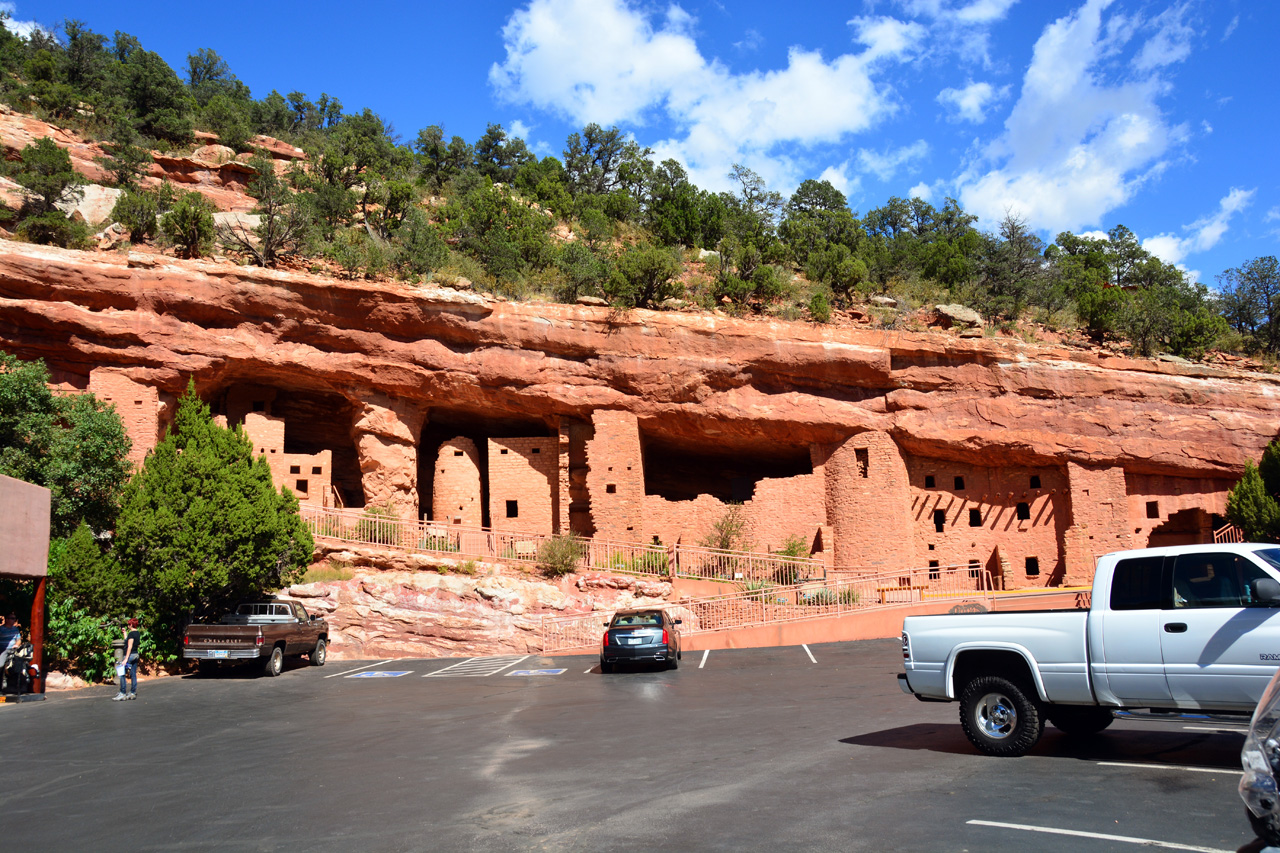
(130, 672)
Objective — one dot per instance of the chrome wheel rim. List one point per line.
(996, 716)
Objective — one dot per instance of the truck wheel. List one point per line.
(1079, 719)
(318, 653)
(998, 717)
(606, 667)
(274, 664)
(1267, 828)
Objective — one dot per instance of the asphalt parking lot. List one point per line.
(795, 748)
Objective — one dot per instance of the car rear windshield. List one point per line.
(638, 620)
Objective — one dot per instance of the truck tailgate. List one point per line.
(1054, 643)
(222, 641)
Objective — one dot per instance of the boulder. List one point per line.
(884, 301)
(94, 205)
(593, 300)
(111, 236)
(958, 316)
(231, 220)
(708, 255)
(214, 154)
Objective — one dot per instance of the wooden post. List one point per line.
(37, 633)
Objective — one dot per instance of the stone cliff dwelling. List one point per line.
(879, 451)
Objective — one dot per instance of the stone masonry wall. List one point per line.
(1020, 516)
(615, 476)
(138, 406)
(1153, 499)
(524, 483)
(455, 490)
(308, 476)
(1100, 524)
(868, 503)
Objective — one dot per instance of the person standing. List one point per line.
(10, 638)
(132, 638)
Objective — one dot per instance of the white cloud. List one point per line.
(608, 61)
(1272, 214)
(751, 41)
(971, 102)
(961, 27)
(20, 28)
(884, 164)
(921, 191)
(1094, 235)
(1170, 44)
(1231, 28)
(1206, 127)
(974, 12)
(1076, 145)
(1203, 234)
(839, 177)
(520, 129)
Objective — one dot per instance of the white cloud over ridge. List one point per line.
(1077, 145)
(20, 28)
(971, 102)
(607, 61)
(1204, 233)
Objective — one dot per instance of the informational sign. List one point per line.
(536, 672)
(382, 673)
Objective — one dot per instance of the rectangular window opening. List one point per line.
(301, 486)
(504, 451)
(1033, 567)
(537, 450)
(295, 469)
(975, 518)
(513, 509)
(975, 568)
(934, 571)
(1153, 509)
(611, 488)
(928, 481)
(860, 454)
(1035, 481)
(1024, 512)
(316, 469)
(959, 484)
(457, 453)
(939, 520)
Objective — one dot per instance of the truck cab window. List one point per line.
(1135, 584)
(1213, 580)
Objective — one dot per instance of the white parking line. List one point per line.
(367, 666)
(1216, 729)
(1136, 766)
(1101, 836)
(705, 654)
(477, 667)
(812, 659)
(593, 669)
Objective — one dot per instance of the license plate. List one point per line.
(635, 641)
(218, 653)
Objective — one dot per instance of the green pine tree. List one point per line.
(1252, 509)
(202, 526)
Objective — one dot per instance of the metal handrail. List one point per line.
(1228, 533)
(765, 604)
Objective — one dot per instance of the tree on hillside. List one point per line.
(47, 177)
(159, 100)
(73, 445)
(202, 526)
(1250, 296)
(285, 221)
(189, 225)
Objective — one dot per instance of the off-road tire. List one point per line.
(274, 664)
(1266, 828)
(1079, 720)
(999, 716)
(318, 654)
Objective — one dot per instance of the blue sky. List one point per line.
(1073, 115)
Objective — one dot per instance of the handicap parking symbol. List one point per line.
(536, 672)
(382, 673)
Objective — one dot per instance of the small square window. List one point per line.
(316, 469)
(295, 469)
(611, 488)
(1035, 481)
(975, 518)
(930, 547)
(939, 520)
(301, 486)
(457, 453)
(504, 451)
(513, 509)
(959, 484)
(1033, 567)
(137, 402)
(1153, 509)
(1024, 512)
(928, 481)
(537, 450)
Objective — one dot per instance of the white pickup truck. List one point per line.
(1187, 629)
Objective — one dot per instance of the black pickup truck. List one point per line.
(261, 631)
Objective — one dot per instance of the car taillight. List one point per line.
(664, 636)
(186, 639)
(605, 641)
(259, 640)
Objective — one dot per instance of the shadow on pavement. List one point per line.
(1172, 747)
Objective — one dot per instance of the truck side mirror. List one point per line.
(679, 621)
(1266, 591)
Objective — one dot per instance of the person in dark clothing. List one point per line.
(132, 639)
